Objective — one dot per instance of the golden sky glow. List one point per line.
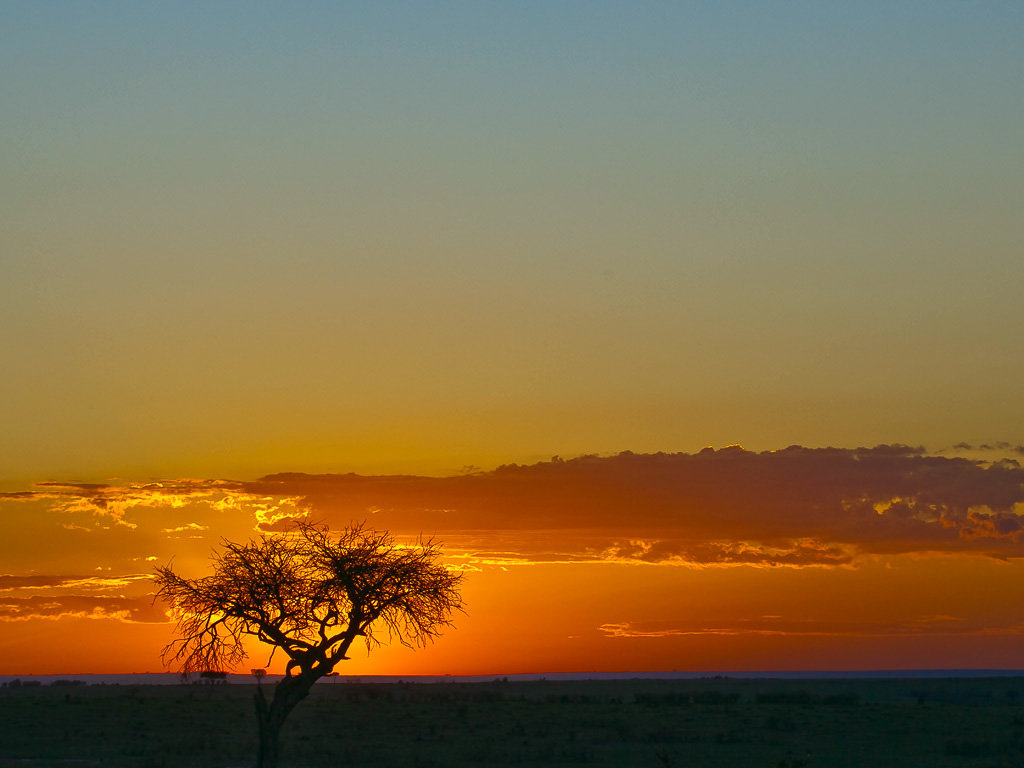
(729, 559)
(355, 260)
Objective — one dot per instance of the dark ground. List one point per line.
(658, 723)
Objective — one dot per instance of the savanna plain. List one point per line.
(716, 721)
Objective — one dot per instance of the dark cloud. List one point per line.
(800, 553)
(998, 445)
(895, 449)
(793, 507)
(798, 505)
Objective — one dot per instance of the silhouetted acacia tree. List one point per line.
(310, 593)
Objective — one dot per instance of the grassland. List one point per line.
(657, 723)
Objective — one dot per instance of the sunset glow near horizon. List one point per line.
(802, 558)
(360, 262)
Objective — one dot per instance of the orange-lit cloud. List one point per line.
(799, 506)
(668, 549)
(112, 503)
(793, 507)
(799, 552)
(127, 609)
(11, 582)
(938, 625)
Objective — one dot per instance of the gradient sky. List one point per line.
(245, 239)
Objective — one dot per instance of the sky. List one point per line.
(247, 250)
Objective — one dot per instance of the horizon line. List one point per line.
(171, 678)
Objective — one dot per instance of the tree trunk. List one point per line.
(289, 692)
(267, 757)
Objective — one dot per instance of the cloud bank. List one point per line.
(795, 507)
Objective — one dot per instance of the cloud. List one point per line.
(125, 597)
(798, 506)
(999, 445)
(123, 504)
(10, 582)
(935, 625)
(795, 507)
(190, 528)
(894, 449)
(681, 551)
(127, 609)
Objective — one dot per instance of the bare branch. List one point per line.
(310, 593)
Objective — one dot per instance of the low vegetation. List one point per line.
(658, 723)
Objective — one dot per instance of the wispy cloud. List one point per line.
(113, 503)
(10, 582)
(189, 528)
(680, 551)
(999, 446)
(935, 625)
(127, 609)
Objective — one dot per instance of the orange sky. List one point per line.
(262, 247)
(722, 560)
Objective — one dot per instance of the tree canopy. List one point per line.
(309, 593)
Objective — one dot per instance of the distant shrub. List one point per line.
(67, 683)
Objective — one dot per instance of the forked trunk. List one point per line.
(289, 692)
